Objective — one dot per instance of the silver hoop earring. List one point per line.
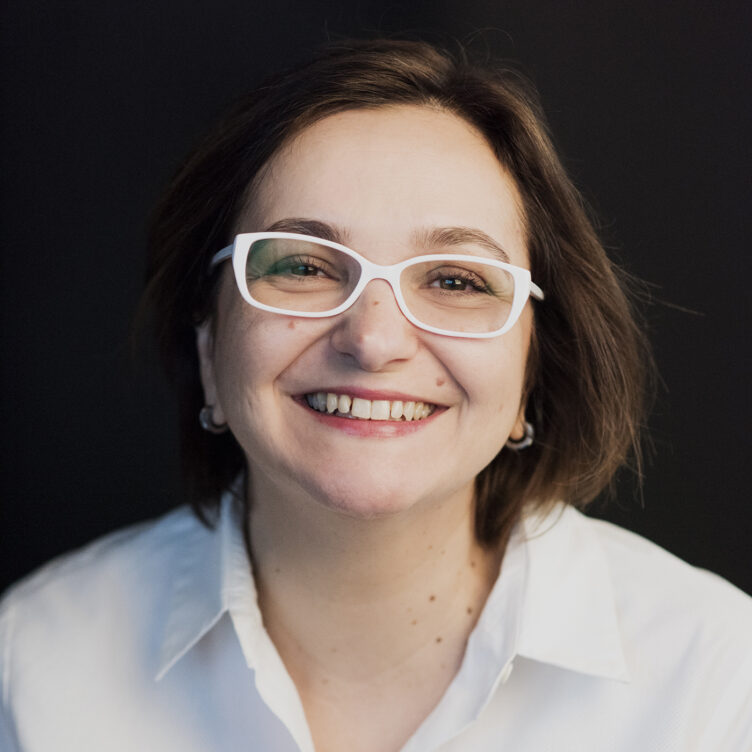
(525, 441)
(206, 419)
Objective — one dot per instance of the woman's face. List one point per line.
(381, 179)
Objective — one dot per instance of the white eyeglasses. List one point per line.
(445, 293)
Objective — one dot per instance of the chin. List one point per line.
(365, 509)
(365, 501)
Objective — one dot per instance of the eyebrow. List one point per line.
(313, 227)
(433, 239)
(447, 237)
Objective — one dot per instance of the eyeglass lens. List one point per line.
(302, 276)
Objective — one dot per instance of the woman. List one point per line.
(402, 359)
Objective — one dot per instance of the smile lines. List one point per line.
(345, 406)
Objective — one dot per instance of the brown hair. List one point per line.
(586, 381)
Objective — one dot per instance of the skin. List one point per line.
(370, 579)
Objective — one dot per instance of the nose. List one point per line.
(374, 332)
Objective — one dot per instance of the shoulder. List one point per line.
(673, 640)
(649, 580)
(658, 601)
(686, 635)
(91, 630)
(119, 558)
(83, 599)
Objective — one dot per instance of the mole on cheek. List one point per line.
(440, 381)
(375, 302)
(291, 325)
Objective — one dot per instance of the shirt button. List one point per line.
(506, 672)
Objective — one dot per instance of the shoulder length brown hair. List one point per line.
(586, 375)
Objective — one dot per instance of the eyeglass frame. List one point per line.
(239, 249)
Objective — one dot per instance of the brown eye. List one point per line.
(459, 280)
(304, 270)
(295, 266)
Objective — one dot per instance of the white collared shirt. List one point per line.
(591, 639)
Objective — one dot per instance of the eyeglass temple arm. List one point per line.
(221, 256)
(535, 291)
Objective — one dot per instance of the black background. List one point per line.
(648, 102)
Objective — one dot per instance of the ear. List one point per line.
(518, 430)
(205, 348)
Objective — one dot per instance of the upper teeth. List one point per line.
(355, 407)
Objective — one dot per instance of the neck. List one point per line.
(354, 600)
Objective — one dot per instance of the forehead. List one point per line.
(383, 174)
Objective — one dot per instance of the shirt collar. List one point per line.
(213, 576)
(569, 617)
(553, 601)
(212, 573)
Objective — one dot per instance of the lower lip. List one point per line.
(370, 428)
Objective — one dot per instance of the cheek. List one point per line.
(499, 394)
(254, 349)
(491, 373)
(239, 353)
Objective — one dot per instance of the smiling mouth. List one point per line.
(344, 406)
